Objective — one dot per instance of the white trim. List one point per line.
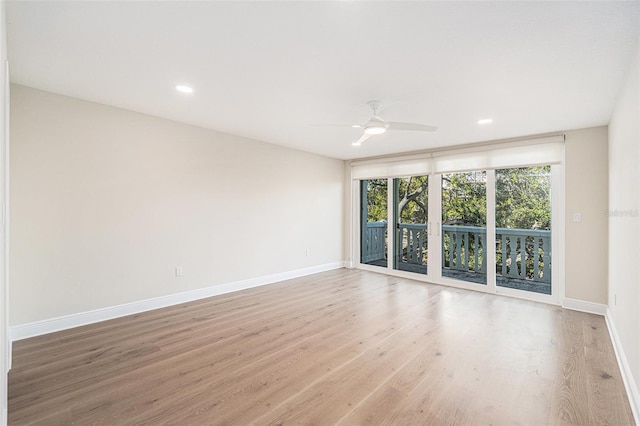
(37, 328)
(558, 247)
(584, 306)
(490, 225)
(435, 229)
(625, 369)
(391, 223)
(356, 224)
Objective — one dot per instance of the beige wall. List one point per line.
(107, 202)
(4, 303)
(624, 208)
(586, 192)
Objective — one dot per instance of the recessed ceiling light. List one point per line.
(485, 121)
(184, 89)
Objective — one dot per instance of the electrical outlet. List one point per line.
(179, 271)
(577, 217)
(308, 252)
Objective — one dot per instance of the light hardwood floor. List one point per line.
(342, 347)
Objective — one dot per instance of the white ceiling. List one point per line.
(269, 70)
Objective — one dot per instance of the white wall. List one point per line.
(107, 202)
(586, 192)
(624, 226)
(4, 296)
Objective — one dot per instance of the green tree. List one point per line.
(413, 199)
(523, 198)
(464, 198)
(376, 199)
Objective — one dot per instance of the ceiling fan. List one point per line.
(376, 125)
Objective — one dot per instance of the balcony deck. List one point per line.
(475, 277)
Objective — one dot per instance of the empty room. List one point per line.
(320, 212)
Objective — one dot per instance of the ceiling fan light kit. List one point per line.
(378, 126)
(375, 129)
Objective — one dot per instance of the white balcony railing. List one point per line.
(520, 253)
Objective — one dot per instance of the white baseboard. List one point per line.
(24, 331)
(584, 306)
(625, 369)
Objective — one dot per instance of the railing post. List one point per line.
(458, 250)
(443, 234)
(523, 257)
(504, 254)
(513, 262)
(537, 241)
(465, 264)
(482, 242)
(546, 259)
(476, 252)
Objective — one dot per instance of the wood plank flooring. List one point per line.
(343, 347)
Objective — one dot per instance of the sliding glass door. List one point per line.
(411, 217)
(464, 226)
(523, 229)
(483, 229)
(373, 222)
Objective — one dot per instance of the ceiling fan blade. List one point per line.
(335, 125)
(412, 126)
(363, 138)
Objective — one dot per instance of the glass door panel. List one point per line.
(464, 232)
(373, 220)
(523, 228)
(411, 206)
